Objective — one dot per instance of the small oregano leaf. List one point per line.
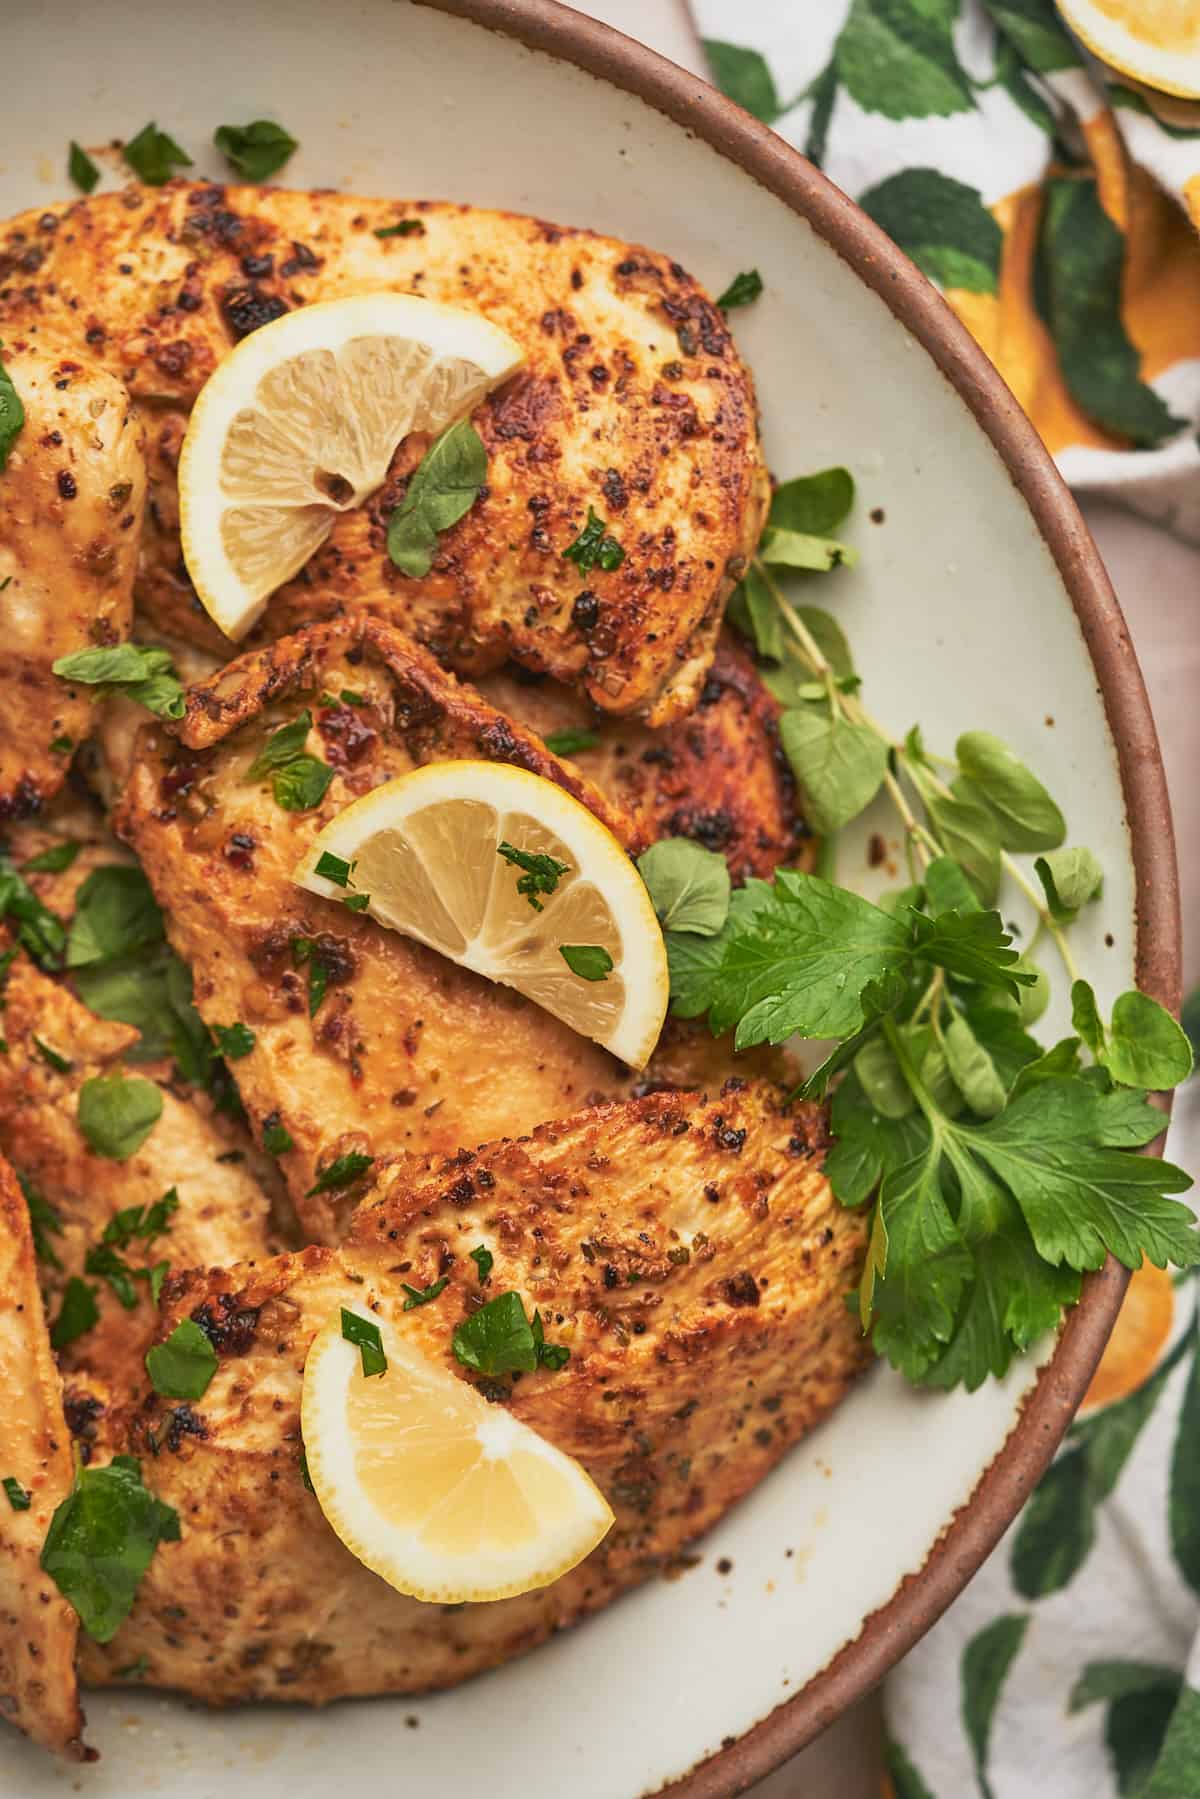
(688, 885)
(1070, 878)
(443, 488)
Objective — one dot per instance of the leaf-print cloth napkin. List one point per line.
(1058, 212)
(1055, 205)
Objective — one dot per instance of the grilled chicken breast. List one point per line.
(38, 1629)
(400, 1054)
(633, 402)
(690, 1253)
(71, 500)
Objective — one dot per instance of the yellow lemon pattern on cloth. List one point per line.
(1054, 199)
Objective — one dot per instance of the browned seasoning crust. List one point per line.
(718, 776)
(71, 500)
(38, 1629)
(633, 402)
(690, 1253)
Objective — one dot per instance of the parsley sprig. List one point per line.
(997, 1172)
(541, 873)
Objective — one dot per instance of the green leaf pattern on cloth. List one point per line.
(1058, 1526)
(942, 224)
(912, 89)
(986, 1661)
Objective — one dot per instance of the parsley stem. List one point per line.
(918, 838)
(920, 1091)
(800, 631)
(1012, 868)
(916, 834)
(1045, 921)
(931, 997)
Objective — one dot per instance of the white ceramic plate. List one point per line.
(960, 616)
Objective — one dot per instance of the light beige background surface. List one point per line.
(1158, 582)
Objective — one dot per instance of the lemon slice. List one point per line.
(425, 848)
(300, 423)
(446, 1497)
(1155, 41)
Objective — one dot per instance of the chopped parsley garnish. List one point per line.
(365, 1336)
(115, 914)
(132, 1224)
(442, 488)
(82, 170)
(299, 781)
(234, 1040)
(282, 746)
(258, 150)
(483, 1260)
(594, 548)
(590, 961)
(141, 1223)
(44, 1222)
(77, 1313)
(101, 1541)
(305, 1476)
(142, 672)
(302, 784)
(18, 1498)
(402, 228)
(153, 156)
(550, 1355)
(499, 1339)
(104, 1261)
(542, 873)
(340, 1173)
(60, 746)
(54, 860)
(333, 868)
(357, 902)
(60, 1064)
(38, 930)
(182, 1366)
(276, 1138)
(350, 698)
(116, 1115)
(421, 1296)
(741, 290)
(12, 415)
(306, 952)
(569, 742)
(135, 1670)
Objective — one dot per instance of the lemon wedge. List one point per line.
(300, 423)
(1155, 41)
(425, 850)
(444, 1496)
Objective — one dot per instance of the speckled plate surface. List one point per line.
(978, 600)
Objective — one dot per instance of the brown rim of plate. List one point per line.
(977, 1526)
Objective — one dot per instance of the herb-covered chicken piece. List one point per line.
(688, 1253)
(625, 487)
(72, 491)
(365, 1042)
(127, 1173)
